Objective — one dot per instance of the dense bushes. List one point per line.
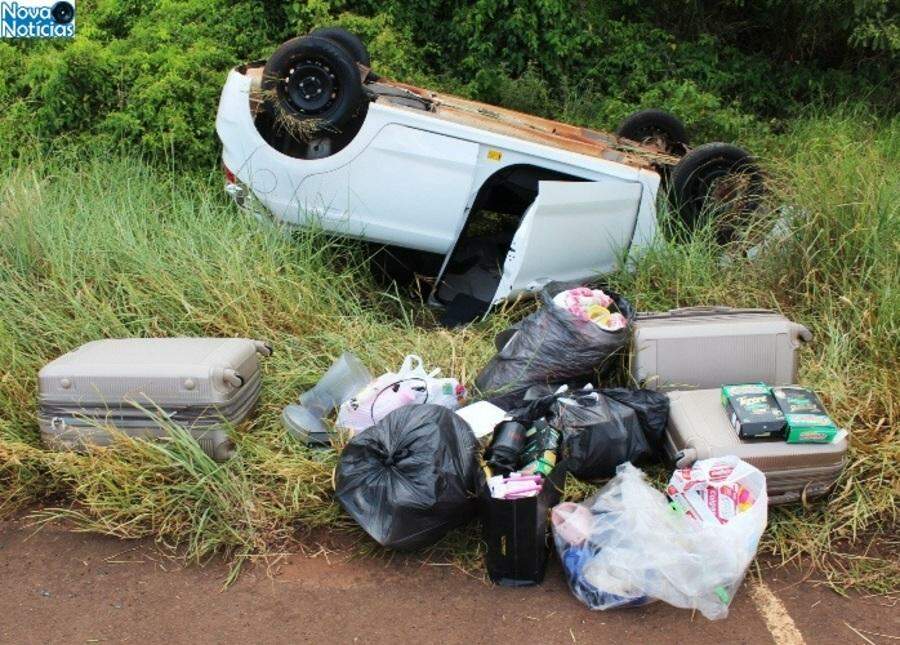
(143, 74)
(147, 74)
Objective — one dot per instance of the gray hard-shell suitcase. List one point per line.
(699, 429)
(701, 347)
(131, 384)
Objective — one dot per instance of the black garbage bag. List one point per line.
(411, 477)
(652, 410)
(551, 346)
(614, 426)
(604, 428)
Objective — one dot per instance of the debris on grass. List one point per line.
(90, 247)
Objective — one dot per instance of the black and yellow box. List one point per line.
(753, 411)
(516, 532)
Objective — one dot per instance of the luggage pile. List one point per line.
(695, 355)
(717, 402)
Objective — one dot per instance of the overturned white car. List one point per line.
(500, 201)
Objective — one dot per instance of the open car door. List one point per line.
(572, 231)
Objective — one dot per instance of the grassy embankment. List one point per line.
(94, 246)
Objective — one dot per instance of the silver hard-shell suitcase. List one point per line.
(703, 347)
(137, 386)
(699, 429)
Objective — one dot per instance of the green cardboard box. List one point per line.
(807, 419)
(753, 411)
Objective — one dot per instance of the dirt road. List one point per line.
(64, 587)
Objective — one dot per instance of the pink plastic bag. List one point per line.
(411, 384)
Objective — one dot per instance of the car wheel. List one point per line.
(716, 182)
(314, 79)
(346, 39)
(655, 127)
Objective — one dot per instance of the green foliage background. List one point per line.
(145, 75)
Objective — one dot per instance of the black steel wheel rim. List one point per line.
(707, 179)
(311, 86)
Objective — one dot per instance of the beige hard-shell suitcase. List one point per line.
(131, 384)
(702, 347)
(699, 429)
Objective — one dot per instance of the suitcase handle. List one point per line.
(710, 310)
(263, 348)
(802, 333)
(233, 378)
(685, 458)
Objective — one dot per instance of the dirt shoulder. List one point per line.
(66, 587)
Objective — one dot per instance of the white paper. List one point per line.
(482, 417)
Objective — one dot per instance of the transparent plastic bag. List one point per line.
(305, 420)
(629, 545)
(409, 385)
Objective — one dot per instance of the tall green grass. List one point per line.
(95, 246)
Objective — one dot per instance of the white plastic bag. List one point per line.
(637, 546)
(411, 384)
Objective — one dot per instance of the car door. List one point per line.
(408, 187)
(572, 231)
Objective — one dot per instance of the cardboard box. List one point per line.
(806, 417)
(517, 532)
(753, 411)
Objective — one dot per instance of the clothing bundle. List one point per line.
(591, 305)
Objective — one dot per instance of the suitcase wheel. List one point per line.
(263, 348)
(685, 458)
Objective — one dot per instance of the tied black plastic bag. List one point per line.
(611, 427)
(551, 346)
(411, 477)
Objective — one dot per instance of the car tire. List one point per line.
(655, 126)
(716, 181)
(346, 39)
(314, 78)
